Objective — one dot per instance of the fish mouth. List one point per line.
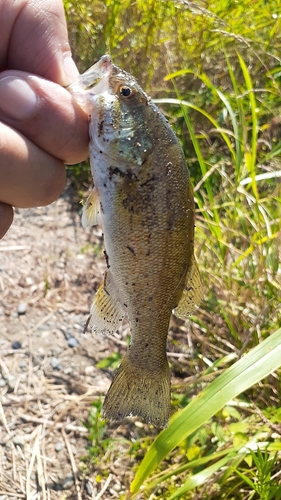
(98, 73)
(94, 81)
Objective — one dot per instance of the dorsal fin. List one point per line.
(192, 293)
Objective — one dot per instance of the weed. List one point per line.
(96, 426)
(218, 82)
(112, 361)
(260, 480)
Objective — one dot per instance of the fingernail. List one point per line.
(70, 68)
(17, 99)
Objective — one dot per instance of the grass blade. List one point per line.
(249, 370)
(251, 156)
(199, 479)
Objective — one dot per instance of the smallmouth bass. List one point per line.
(143, 199)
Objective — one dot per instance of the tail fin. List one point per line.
(138, 392)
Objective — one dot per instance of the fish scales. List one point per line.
(143, 199)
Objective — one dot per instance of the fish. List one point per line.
(143, 200)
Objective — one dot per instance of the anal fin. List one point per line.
(192, 292)
(106, 313)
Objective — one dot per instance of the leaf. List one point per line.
(193, 452)
(198, 479)
(245, 478)
(110, 362)
(249, 370)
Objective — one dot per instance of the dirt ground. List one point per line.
(49, 269)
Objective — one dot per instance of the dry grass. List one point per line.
(42, 408)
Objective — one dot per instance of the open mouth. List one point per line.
(94, 81)
(99, 72)
(95, 78)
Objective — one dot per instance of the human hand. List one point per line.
(41, 126)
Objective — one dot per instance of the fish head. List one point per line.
(119, 113)
(120, 124)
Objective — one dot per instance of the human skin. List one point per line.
(41, 126)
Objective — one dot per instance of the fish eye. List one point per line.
(125, 91)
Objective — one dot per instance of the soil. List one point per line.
(50, 268)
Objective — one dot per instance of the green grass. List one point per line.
(214, 69)
(250, 369)
(238, 235)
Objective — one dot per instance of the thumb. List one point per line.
(6, 218)
(38, 40)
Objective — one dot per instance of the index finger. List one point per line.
(34, 39)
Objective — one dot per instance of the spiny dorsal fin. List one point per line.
(91, 209)
(106, 313)
(192, 293)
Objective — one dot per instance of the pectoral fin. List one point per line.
(106, 313)
(192, 293)
(91, 209)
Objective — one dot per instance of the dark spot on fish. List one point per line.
(106, 259)
(100, 126)
(146, 345)
(125, 304)
(137, 320)
(127, 203)
(147, 253)
(148, 182)
(100, 152)
(137, 200)
(101, 207)
(150, 299)
(104, 185)
(131, 250)
(104, 283)
(133, 284)
(116, 171)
